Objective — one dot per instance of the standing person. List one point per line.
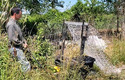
(16, 39)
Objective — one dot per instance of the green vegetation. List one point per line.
(118, 55)
(44, 20)
(10, 68)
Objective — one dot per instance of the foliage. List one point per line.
(50, 21)
(87, 11)
(44, 22)
(40, 49)
(118, 55)
(106, 21)
(4, 12)
(76, 10)
(10, 69)
(54, 3)
(33, 6)
(8, 66)
(29, 23)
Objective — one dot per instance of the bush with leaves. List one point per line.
(107, 21)
(41, 47)
(29, 23)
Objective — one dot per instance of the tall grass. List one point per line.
(10, 68)
(116, 51)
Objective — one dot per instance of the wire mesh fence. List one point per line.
(75, 37)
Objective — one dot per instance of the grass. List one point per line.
(115, 51)
(10, 68)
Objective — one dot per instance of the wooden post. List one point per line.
(63, 39)
(83, 39)
(86, 31)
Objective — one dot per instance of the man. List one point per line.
(16, 40)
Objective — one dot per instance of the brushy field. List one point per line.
(10, 68)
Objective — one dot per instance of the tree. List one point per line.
(118, 9)
(55, 3)
(93, 8)
(87, 11)
(77, 9)
(34, 6)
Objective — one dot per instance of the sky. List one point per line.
(67, 5)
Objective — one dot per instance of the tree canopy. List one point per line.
(33, 6)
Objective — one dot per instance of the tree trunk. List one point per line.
(117, 21)
(123, 24)
(53, 4)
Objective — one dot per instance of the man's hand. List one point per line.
(25, 45)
